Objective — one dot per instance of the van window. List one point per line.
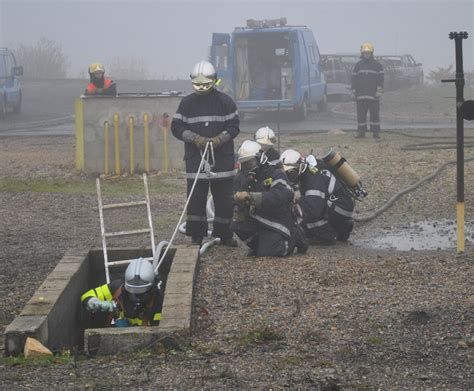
(9, 64)
(221, 57)
(311, 54)
(3, 72)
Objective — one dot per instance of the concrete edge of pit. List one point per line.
(175, 316)
(53, 314)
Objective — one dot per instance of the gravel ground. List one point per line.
(343, 317)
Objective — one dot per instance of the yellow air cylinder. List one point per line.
(345, 171)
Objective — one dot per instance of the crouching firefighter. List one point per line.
(322, 206)
(135, 300)
(262, 208)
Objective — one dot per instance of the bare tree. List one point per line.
(128, 69)
(42, 60)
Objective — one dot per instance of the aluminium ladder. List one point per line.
(106, 235)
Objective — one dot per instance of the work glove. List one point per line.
(99, 90)
(200, 141)
(96, 305)
(242, 196)
(216, 142)
(379, 92)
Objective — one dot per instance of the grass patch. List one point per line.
(258, 337)
(110, 187)
(291, 360)
(374, 340)
(324, 363)
(36, 361)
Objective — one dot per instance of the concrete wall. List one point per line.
(93, 112)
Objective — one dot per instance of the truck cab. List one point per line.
(269, 66)
(10, 87)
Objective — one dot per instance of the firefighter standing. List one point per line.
(262, 209)
(208, 115)
(367, 88)
(322, 207)
(135, 300)
(98, 84)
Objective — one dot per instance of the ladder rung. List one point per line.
(124, 205)
(124, 262)
(127, 233)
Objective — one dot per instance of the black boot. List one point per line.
(229, 242)
(376, 134)
(196, 240)
(360, 135)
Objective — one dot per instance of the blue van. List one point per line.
(269, 64)
(10, 87)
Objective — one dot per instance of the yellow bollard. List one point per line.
(460, 225)
(117, 143)
(164, 129)
(131, 124)
(106, 147)
(146, 141)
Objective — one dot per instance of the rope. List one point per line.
(203, 159)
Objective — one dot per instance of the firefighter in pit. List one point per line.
(367, 88)
(135, 300)
(262, 208)
(99, 85)
(266, 138)
(203, 117)
(322, 207)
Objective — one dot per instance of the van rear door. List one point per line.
(221, 58)
(316, 80)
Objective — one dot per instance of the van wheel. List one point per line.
(302, 111)
(323, 103)
(17, 108)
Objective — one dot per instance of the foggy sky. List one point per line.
(170, 36)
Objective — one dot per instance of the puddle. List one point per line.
(422, 235)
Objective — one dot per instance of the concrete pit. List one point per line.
(55, 317)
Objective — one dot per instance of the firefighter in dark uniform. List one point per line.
(367, 88)
(262, 209)
(99, 85)
(208, 115)
(266, 138)
(322, 207)
(135, 300)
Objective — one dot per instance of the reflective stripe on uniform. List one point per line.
(316, 193)
(319, 223)
(273, 224)
(283, 182)
(102, 293)
(332, 183)
(196, 218)
(203, 175)
(205, 118)
(366, 71)
(374, 123)
(343, 212)
(222, 220)
(365, 97)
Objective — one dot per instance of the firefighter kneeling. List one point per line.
(262, 209)
(322, 206)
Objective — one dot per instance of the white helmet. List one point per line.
(248, 150)
(265, 137)
(292, 160)
(139, 276)
(204, 77)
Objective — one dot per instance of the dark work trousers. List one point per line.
(372, 106)
(196, 221)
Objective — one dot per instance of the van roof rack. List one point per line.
(255, 23)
